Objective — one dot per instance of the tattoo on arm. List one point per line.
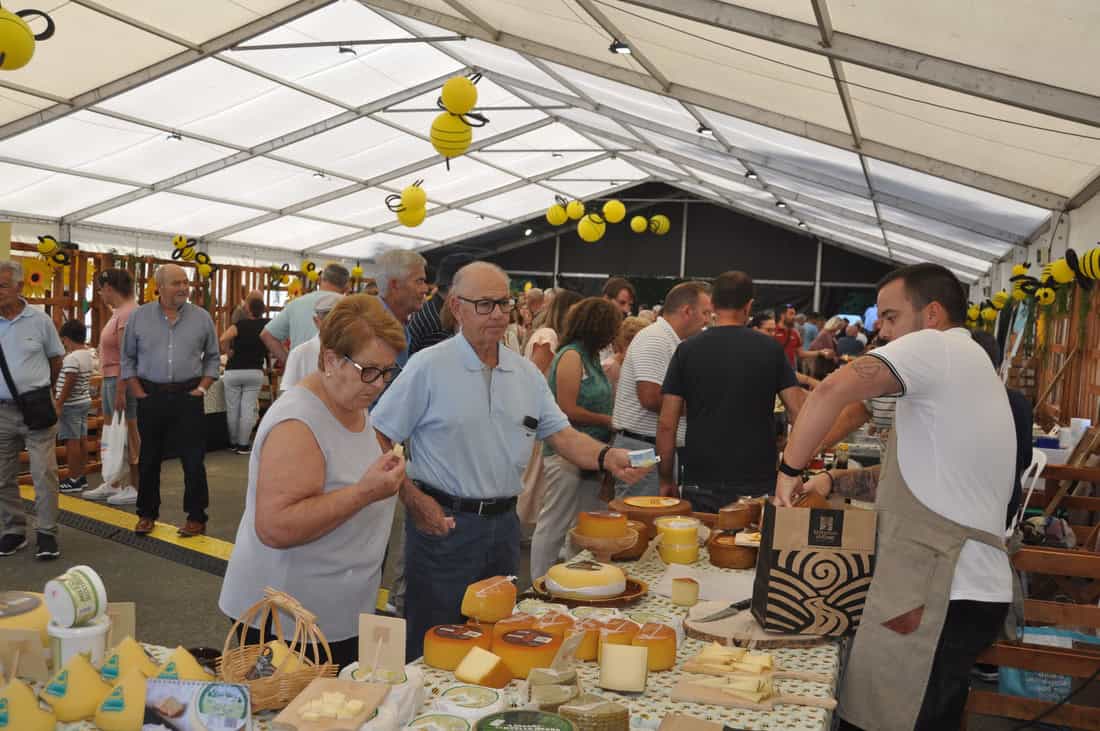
(857, 484)
(867, 367)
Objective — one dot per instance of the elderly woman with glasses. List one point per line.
(321, 493)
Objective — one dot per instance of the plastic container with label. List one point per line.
(76, 598)
(68, 641)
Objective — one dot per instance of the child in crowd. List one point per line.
(73, 401)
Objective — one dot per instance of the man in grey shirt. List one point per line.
(169, 359)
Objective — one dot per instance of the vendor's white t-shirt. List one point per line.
(301, 362)
(956, 446)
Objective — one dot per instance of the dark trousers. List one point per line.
(344, 652)
(439, 568)
(174, 419)
(970, 627)
(708, 497)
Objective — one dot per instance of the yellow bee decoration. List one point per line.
(591, 228)
(973, 312)
(183, 248)
(556, 215)
(639, 224)
(357, 271)
(203, 264)
(17, 40)
(310, 270)
(660, 224)
(294, 289)
(279, 275)
(1000, 300)
(55, 252)
(1044, 295)
(410, 206)
(989, 313)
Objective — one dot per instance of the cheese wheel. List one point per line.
(182, 665)
(490, 600)
(624, 668)
(445, 645)
(440, 722)
(124, 707)
(482, 667)
(127, 655)
(617, 632)
(555, 623)
(589, 649)
(601, 524)
(585, 580)
(526, 649)
(21, 711)
(25, 610)
(75, 691)
(511, 624)
(661, 641)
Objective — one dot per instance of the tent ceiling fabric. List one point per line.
(906, 131)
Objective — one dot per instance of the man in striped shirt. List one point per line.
(425, 328)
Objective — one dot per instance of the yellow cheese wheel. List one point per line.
(22, 711)
(24, 610)
(617, 631)
(445, 645)
(490, 600)
(482, 667)
(555, 623)
(585, 580)
(126, 655)
(526, 649)
(511, 624)
(182, 665)
(589, 649)
(124, 707)
(75, 691)
(661, 641)
(601, 524)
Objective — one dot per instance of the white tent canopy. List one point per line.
(913, 131)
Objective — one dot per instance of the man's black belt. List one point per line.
(150, 388)
(639, 437)
(497, 506)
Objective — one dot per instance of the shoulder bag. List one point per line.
(36, 405)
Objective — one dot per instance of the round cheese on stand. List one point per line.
(445, 645)
(526, 649)
(618, 632)
(585, 580)
(555, 623)
(589, 649)
(661, 641)
(511, 624)
(25, 610)
(601, 524)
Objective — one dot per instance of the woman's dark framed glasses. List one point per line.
(370, 374)
(485, 306)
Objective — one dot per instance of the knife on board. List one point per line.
(732, 609)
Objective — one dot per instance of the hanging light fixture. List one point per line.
(751, 175)
(704, 130)
(780, 204)
(802, 224)
(618, 46)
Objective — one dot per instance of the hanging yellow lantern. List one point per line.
(638, 224)
(556, 215)
(459, 95)
(660, 224)
(17, 40)
(357, 272)
(1061, 271)
(973, 312)
(1000, 300)
(414, 196)
(412, 217)
(450, 135)
(591, 228)
(989, 314)
(614, 211)
(575, 210)
(1044, 295)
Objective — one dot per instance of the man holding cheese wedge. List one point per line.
(942, 583)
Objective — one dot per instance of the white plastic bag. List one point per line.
(113, 439)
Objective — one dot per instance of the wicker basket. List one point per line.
(278, 690)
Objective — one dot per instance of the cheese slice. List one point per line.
(490, 600)
(482, 667)
(126, 655)
(282, 656)
(685, 591)
(661, 641)
(445, 645)
(75, 691)
(182, 665)
(124, 707)
(550, 676)
(550, 697)
(624, 668)
(19, 709)
(526, 649)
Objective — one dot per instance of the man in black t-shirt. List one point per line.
(726, 379)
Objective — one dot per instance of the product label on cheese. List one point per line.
(584, 566)
(170, 672)
(524, 721)
(115, 702)
(3, 712)
(109, 671)
(223, 706)
(458, 631)
(440, 722)
(528, 638)
(14, 603)
(59, 686)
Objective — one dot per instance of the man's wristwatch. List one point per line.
(603, 453)
(788, 470)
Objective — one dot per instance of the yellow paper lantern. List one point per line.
(614, 211)
(414, 197)
(973, 312)
(556, 215)
(459, 95)
(1044, 295)
(638, 224)
(1062, 272)
(575, 210)
(412, 217)
(591, 228)
(450, 135)
(357, 272)
(17, 40)
(660, 224)
(1000, 300)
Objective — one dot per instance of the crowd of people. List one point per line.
(515, 411)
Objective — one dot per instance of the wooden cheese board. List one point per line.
(688, 692)
(777, 674)
(740, 630)
(635, 590)
(371, 694)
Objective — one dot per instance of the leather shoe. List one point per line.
(144, 526)
(192, 528)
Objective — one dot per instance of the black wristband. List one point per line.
(603, 453)
(832, 480)
(788, 470)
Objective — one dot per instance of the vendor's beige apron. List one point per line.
(892, 653)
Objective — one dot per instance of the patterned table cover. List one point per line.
(648, 709)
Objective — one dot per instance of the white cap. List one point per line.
(325, 302)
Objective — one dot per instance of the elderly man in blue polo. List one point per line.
(470, 410)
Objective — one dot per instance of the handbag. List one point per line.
(36, 405)
(113, 440)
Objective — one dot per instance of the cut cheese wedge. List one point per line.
(589, 649)
(624, 668)
(75, 691)
(661, 641)
(555, 623)
(490, 600)
(126, 655)
(482, 667)
(20, 710)
(513, 623)
(282, 658)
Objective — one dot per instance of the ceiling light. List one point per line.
(614, 182)
(175, 136)
(704, 130)
(528, 232)
(802, 224)
(780, 204)
(347, 49)
(319, 174)
(618, 46)
(556, 154)
(751, 175)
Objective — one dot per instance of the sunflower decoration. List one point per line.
(37, 277)
(294, 289)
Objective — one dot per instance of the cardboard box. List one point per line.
(814, 569)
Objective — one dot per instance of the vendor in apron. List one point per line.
(942, 583)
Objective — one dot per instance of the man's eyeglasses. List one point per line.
(485, 306)
(370, 374)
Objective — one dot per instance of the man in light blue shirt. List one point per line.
(33, 352)
(470, 410)
(295, 321)
(870, 317)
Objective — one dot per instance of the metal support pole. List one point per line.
(817, 279)
(684, 242)
(557, 259)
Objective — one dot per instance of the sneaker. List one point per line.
(47, 547)
(11, 543)
(243, 449)
(69, 485)
(986, 673)
(125, 496)
(101, 493)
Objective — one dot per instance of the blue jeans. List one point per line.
(439, 568)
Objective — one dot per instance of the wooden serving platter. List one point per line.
(740, 630)
(687, 692)
(777, 674)
(372, 695)
(635, 590)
